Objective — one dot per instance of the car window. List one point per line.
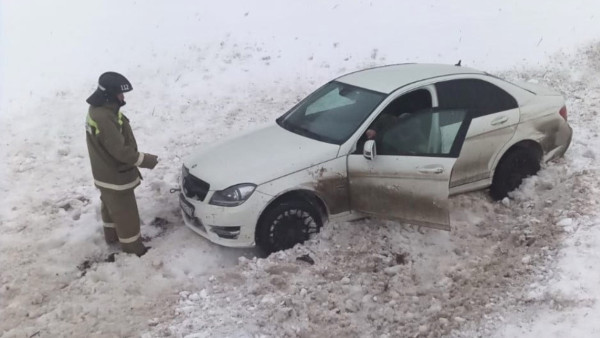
(428, 132)
(407, 103)
(478, 96)
(329, 101)
(332, 113)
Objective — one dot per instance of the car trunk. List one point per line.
(537, 89)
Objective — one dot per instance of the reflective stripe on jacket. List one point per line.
(112, 147)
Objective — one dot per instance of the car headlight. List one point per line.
(233, 196)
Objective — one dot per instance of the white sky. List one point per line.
(68, 42)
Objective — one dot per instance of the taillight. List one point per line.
(563, 112)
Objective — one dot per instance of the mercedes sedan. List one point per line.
(391, 142)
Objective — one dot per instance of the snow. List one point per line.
(522, 267)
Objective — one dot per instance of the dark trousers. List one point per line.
(121, 220)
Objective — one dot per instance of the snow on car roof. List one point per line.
(386, 79)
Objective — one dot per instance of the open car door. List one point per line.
(405, 173)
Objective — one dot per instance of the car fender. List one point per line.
(328, 181)
(541, 123)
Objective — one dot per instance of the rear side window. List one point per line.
(478, 96)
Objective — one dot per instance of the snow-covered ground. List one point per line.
(204, 71)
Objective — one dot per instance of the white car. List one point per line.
(391, 142)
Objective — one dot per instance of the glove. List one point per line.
(149, 161)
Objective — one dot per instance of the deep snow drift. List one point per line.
(519, 268)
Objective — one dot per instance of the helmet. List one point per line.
(109, 85)
(114, 83)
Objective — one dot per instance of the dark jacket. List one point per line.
(112, 147)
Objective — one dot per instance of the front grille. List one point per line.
(193, 187)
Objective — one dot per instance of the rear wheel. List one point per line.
(512, 169)
(287, 224)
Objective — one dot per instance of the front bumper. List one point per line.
(227, 226)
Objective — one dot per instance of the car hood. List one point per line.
(258, 157)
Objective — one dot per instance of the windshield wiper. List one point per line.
(296, 129)
(310, 134)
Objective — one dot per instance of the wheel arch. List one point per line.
(528, 144)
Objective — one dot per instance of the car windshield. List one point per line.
(332, 113)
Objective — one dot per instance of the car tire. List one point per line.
(512, 169)
(287, 224)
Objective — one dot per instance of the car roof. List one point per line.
(386, 79)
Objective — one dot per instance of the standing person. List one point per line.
(115, 160)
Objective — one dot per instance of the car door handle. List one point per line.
(431, 170)
(499, 120)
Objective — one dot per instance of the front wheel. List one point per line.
(512, 169)
(286, 225)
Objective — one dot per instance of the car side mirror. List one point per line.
(369, 150)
